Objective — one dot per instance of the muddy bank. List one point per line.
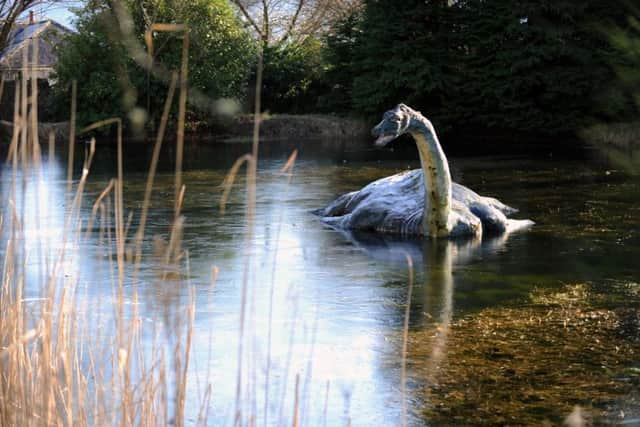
(298, 126)
(559, 353)
(60, 130)
(241, 128)
(618, 143)
(620, 135)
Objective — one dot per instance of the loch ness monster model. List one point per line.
(421, 202)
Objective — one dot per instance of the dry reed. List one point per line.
(56, 368)
(53, 371)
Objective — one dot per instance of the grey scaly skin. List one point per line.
(399, 204)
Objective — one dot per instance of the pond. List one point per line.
(311, 318)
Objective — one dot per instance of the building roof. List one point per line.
(19, 39)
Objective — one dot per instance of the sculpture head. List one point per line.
(395, 122)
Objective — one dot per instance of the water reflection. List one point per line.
(326, 307)
(436, 260)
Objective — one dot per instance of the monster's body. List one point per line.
(399, 204)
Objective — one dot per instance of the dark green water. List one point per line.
(329, 306)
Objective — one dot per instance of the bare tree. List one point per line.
(277, 21)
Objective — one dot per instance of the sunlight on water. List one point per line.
(38, 208)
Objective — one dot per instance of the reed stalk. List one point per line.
(72, 134)
(57, 368)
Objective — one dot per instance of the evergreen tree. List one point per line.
(533, 66)
(338, 54)
(402, 56)
(625, 60)
(537, 65)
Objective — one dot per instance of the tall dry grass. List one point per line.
(56, 369)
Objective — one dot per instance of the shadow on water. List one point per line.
(222, 154)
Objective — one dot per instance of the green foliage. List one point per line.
(221, 53)
(110, 83)
(402, 55)
(338, 52)
(97, 64)
(534, 66)
(291, 76)
(625, 39)
(541, 66)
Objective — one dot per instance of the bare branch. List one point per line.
(294, 20)
(247, 16)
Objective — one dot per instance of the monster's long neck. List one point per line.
(437, 178)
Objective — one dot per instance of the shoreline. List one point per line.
(237, 129)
